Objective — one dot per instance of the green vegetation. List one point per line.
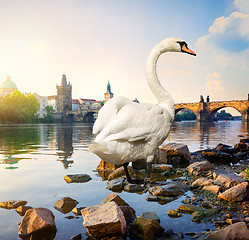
(49, 118)
(223, 115)
(185, 116)
(19, 108)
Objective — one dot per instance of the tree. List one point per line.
(19, 108)
(50, 110)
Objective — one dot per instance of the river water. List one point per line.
(35, 158)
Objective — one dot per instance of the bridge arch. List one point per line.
(215, 110)
(178, 110)
(89, 117)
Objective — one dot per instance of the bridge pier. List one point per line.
(245, 116)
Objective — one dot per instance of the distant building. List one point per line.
(108, 95)
(43, 100)
(75, 104)
(64, 96)
(52, 101)
(7, 87)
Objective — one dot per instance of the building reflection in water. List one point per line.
(65, 144)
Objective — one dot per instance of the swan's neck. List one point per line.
(160, 93)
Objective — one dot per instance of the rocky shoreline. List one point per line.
(216, 177)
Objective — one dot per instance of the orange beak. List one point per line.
(187, 50)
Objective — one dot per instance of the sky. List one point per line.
(93, 41)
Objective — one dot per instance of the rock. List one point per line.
(244, 140)
(243, 175)
(212, 188)
(116, 185)
(241, 147)
(12, 204)
(146, 229)
(105, 166)
(151, 215)
(188, 208)
(161, 167)
(128, 211)
(160, 157)
(174, 214)
(134, 188)
(77, 178)
(170, 235)
(237, 231)
(236, 193)
(91, 209)
(77, 211)
(114, 197)
(22, 210)
(177, 150)
(216, 155)
(225, 148)
(228, 180)
(198, 167)
(120, 172)
(216, 173)
(65, 205)
(200, 182)
(197, 216)
(108, 220)
(171, 189)
(38, 221)
(76, 237)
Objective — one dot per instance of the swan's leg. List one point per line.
(127, 173)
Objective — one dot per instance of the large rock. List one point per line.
(108, 220)
(146, 229)
(188, 208)
(200, 182)
(171, 189)
(65, 205)
(38, 221)
(177, 150)
(12, 204)
(215, 189)
(199, 167)
(128, 211)
(236, 193)
(120, 172)
(228, 180)
(116, 185)
(236, 231)
(216, 155)
(77, 178)
(115, 198)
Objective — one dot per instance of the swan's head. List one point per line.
(175, 45)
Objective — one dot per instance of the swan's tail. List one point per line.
(95, 147)
(103, 153)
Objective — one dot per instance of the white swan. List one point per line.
(128, 131)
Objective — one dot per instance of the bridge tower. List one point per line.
(64, 96)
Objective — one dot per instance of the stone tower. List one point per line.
(64, 96)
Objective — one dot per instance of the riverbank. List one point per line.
(215, 177)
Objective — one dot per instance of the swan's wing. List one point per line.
(136, 122)
(108, 111)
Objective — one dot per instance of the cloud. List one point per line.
(214, 82)
(242, 5)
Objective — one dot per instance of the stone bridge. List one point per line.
(205, 111)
